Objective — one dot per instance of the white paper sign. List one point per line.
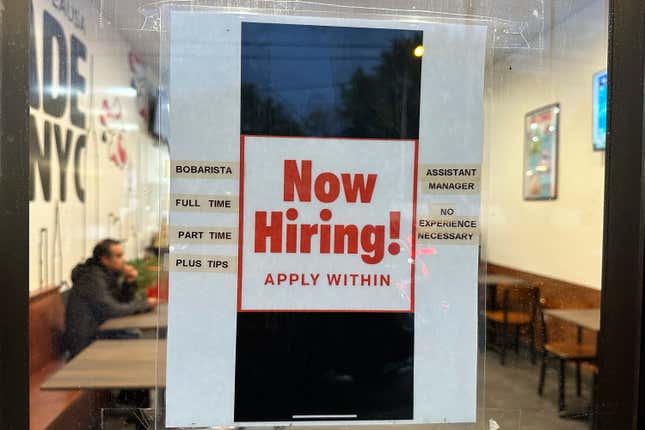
(315, 278)
(325, 228)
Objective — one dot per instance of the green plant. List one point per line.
(146, 277)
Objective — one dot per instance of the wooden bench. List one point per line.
(54, 410)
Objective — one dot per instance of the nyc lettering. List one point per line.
(69, 141)
(283, 235)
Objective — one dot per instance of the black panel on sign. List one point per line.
(323, 364)
(305, 80)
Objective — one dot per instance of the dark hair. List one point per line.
(102, 249)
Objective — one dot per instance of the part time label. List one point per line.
(207, 235)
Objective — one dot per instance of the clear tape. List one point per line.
(524, 28)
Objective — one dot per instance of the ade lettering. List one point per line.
(61, 108)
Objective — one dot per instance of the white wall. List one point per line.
(561, 239)
(121, 194)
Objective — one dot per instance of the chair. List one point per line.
(518, 310)
(594, 396)
(564, 351)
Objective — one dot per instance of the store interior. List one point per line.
(99, 167)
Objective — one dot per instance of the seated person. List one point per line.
(103, 287)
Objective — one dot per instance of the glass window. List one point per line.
(311, 213)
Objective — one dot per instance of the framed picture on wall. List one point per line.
(541, 135)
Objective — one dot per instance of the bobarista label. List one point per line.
(204, 169)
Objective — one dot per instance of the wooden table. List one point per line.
(494, 279)
(144, 321)
(583, 318)
(114, 364)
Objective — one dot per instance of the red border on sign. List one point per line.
(241, 229)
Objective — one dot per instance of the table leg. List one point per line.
(492, 297)
(580, 412)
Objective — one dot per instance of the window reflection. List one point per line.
(98, 169)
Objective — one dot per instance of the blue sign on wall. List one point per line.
(599, 110)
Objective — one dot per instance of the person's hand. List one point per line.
(130, 273)
(149, 306)
(145, 306)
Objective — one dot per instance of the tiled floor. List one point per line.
(511, 398)
(509, 401)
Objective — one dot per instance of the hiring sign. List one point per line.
(324, 220)
(324, 228)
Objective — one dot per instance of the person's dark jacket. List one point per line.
(96, 296)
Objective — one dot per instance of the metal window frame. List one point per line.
(14, 218)
(620, 352)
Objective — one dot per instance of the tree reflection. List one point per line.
(381, 101)
(264, 115)
(385, 103)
